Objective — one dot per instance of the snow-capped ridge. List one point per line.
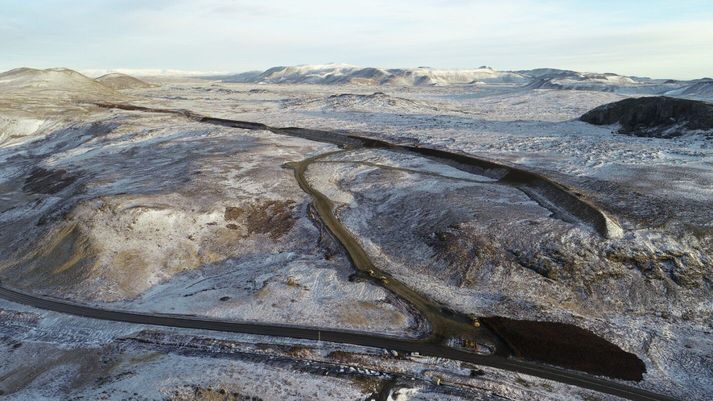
(328, 74)
(573, 80)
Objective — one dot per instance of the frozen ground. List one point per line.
(486, 248)
(89, 359)
(637, 177)
(147, 212)
(152, 212)
(183, 219)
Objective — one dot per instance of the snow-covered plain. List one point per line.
(158, 213)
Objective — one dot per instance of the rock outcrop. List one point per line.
(658, 116)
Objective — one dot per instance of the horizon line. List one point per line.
(178, 72)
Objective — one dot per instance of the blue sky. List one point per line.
(670, 39)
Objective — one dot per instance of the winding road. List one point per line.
(344, 337)
(444, 324)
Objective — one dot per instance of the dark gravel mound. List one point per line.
(567, 346)
(659, 116)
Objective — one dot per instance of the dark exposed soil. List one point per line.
(568, 346)
(465, 254)
(43, 181)
(659, 116)
(199, 393)
(270, 217)
(232, 213)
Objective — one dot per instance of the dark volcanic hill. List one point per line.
(658, 116)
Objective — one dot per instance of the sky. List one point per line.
(660, 39)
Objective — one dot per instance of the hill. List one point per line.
(32, 100)
(51, 82)
(119, 81)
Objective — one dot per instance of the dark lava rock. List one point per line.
(659, 116)
(43, 181)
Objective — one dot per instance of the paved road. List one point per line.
(442, 325)
(345, 337)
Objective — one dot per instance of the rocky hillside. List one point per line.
(658, 116)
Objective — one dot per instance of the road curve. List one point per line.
(442, 325)
(339, 336)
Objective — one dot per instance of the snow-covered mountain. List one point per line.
(562, 79)
(539, 78)
(350, 74)
(549, 78)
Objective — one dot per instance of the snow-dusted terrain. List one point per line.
(153, 212)
(90, 359)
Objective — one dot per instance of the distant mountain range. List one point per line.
(349, 74)
(70, 81)
(540, 78)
